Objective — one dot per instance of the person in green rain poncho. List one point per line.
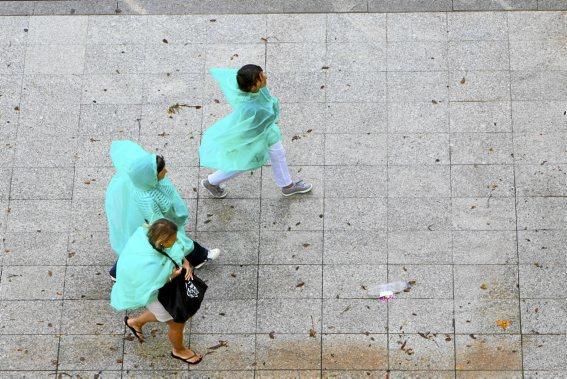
(144, 268)
(249, 136)
(141, 193)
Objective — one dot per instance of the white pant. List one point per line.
(280, 170)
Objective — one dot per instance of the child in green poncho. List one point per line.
(141, 193)
(143, 268)
(249, 136)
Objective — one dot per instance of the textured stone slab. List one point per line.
(352, 27)
(544, 352)
(355, 149)
(15, 283)
(486, 282)
(428, 281)
(538, 85)
(225, 316)
(405, 214)
(238, 355)
(419, 181)
(419, 247)
(40, 317)
(418, 148)
(289, 316)
(351, 56)
(289, 351)
(75, 7)
(367, 351)
(289, 282)
(417, 27)
(479, 85)
(486, 5)
(481, 117)
(232, 282)
(296, 28)
(65, 30)
(354, 316)
(484, 247)
(481, 316)
(295, 247)
(351, 282)
(483, 214)
(103, 319)
(539, 280)
(529, 180)
(356, 86)
(543, 316)
(482, 180)
(544, 246)
(478, 55)
(541, 213)
(418, 117)
(179, 29)
(488, 352)
(414, 352)
(355, 214)
(530, 26)
(421, 316)
(355, 247)
(25, 352)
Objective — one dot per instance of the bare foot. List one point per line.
(135, 328)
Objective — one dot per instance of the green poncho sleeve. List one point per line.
(240, 141)
(141, 272)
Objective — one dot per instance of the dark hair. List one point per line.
(160, 163)
(161, 230)
(248, 76)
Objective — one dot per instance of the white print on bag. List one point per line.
(192, 291)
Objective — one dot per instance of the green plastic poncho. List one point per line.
(134, 196)
(141, 272)
(240, 141)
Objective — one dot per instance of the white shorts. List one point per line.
(159, 311)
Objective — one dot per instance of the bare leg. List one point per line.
(175, 335)
(138, 322)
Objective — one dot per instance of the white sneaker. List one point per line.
(212, 255)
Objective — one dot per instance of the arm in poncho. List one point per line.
(226, 79)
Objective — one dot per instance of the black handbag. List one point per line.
(181, 298)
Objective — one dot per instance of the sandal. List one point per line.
(137, 333)
(186, 360)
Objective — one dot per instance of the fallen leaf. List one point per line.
(219, 345)
(463, 81)
(217, 101)
(300, 284)
(503, 324)
(222, 314)
(325, 68)
(213, 20)
(164, 41)
(49, 273)
(272, 335)
(264, 39)
(162, 134)
(346, 309)
(483, 286)
(306, 244)
(472, 336)
(295, 138)
(434, 102)
(87, 182)
(233, 274)
(312, 333)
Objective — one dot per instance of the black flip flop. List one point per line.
(134, 331)
(186, 360)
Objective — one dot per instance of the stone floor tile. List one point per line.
(112, 89)
(34, 317)
(298, 118)
(298, 374)
(289, 282)
(355, 214)
(485, 247)
(12, 60)
(296, 28)
(417, 27)
(421, 316)
(178, 29)
(228, 29)
(405, 214)
(12, 30)
(418, 117)
(55, 59)
(354, 316)
(288, 351)
(320, 6)
(541, 213)
(156, 122)
(488, 352)
(101, 319)
(540, 148)
(114, 59)
(174, 89)
(366, 351)
(482, 316)
(478, 55)
(543, 246)
(486, 282)
(39, 120)
(352, 27)
(304, 149)
(228, 215)
(351, 282)
(429, 374)
(297, 316)
(50, 151)
(543, 316)
(117, 30)
(529, 180)
(45, 248)
(480, 117)
(418, 148)
(414, 352)
(541, 281)
(489, 374)
(538, 116)
(80, 374)
(295, 57)
(418, 86)
(238, 355)
(544, 352)
(89, 248)
(529, 26)
(295, 247)
(538, 55)
(417, 56)
(353, 86)
(355, 57)
(419, 247)
(485, 5)
(479, 86)
(230, 282)
(55, 90)
(482, 180)
(300, 87)
(355, 181)
(474, 26)
(225, 316)
(5, 183)
(419, 181)
(76, 352)
(87, 283)
(178, 150)
(427, 281)
(355, 149)
(25, 352)
(355, 247)
(16, 280)
(311, 174)
(88, 215)
(301, 213)
(538, 85)
(91, 182)
(234, 55)
(68, 30)
(42, 184)
(119, 121)
(483, 214)
(168, 58)
(236, 247)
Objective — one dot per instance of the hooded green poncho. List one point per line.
(134, 196)
(141, 272)
(240, 141)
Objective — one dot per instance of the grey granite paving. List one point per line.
(436, 143)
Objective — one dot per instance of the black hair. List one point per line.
(160, 231)
(160, 163)
(248, 76)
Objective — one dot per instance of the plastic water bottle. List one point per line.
(388, 289)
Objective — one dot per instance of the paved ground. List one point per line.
(437, 146)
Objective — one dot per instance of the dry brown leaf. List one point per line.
(272, 335)
(219, 345)
(300, 284)
(463, 81)
(483, 286)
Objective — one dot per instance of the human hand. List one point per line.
(175, 273)
(188, 270)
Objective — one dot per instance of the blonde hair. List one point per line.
(160, 231)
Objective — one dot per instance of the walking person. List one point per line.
(249, 136)
(144, 267)
(141, 193)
